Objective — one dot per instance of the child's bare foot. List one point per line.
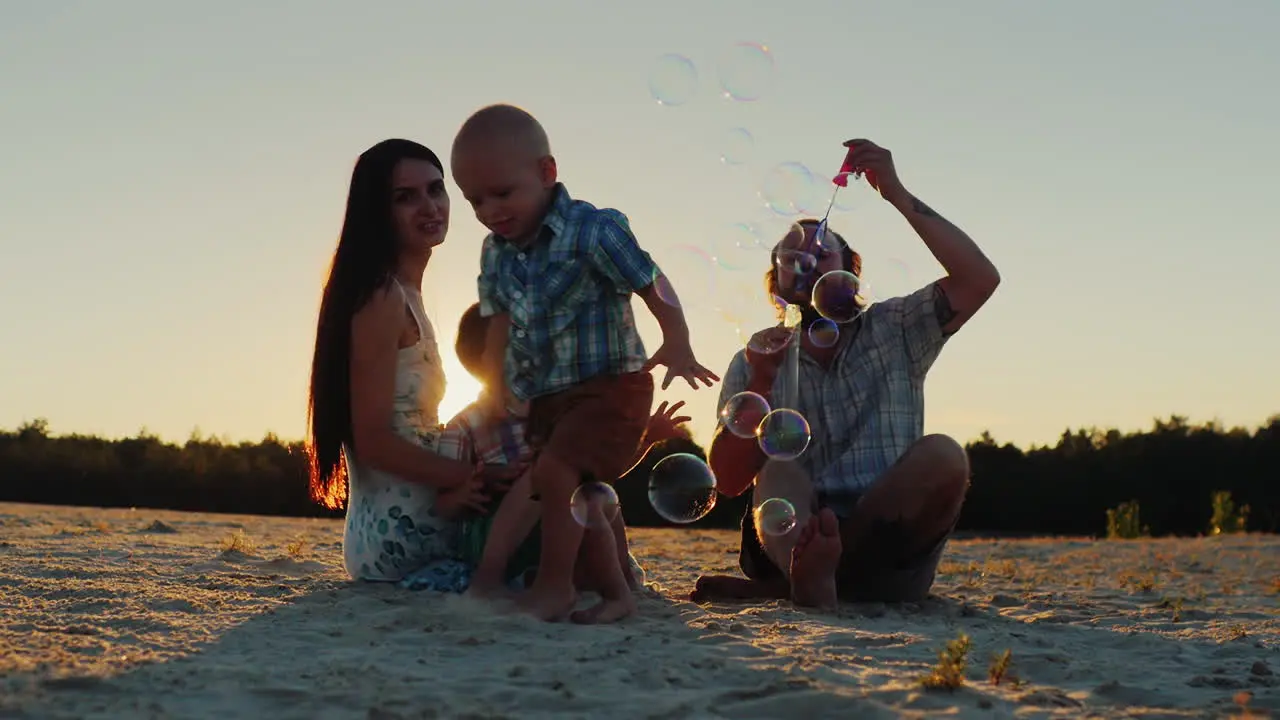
(488, 590)
(813, 562)
(548, 605)
(635, 580)
(606, 611)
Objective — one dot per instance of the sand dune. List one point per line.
(156, 614)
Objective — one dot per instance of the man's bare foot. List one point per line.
(606, 611)
(548, 605)
(712, 588)
(813, 562)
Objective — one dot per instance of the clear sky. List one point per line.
(172, 180)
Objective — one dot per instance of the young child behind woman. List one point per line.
(499, 539)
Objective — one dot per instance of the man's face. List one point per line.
(803, 255)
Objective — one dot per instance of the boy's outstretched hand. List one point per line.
(680, 362)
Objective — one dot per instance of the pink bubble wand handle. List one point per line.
(841, 180)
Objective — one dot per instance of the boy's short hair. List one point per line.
(469, 345)
(504, 122)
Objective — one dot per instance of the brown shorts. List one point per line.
(595, 426)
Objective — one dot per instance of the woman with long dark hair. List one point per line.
(377, 381)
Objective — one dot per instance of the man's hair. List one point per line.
(504, 122)
(850, 260)
(469, 345)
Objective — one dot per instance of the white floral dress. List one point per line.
(392, 532)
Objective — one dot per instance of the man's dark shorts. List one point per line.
(876, 570)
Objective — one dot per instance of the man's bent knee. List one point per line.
(943, 454)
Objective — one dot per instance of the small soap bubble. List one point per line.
(690, 281)
(739, 247)
(782, 187)
(743, 412)
(836, 296)
(737, 146)
(745, 71)
(594, 505)
(673, 80)
(824, 333)
(682, 488)
(790, 189)
(783, 434)
(775, 517)
(893, 278)
(769, 342)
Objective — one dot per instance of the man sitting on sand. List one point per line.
(875, 499)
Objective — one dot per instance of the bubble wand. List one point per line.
(790, 394)
(819, 239)
(841, 180)
(793, 315)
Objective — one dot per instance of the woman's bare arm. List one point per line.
(375, 343)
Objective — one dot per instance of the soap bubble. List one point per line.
(783, 434)
(743, 412)
(673, 80)
(836, 296)
(824, 333)
(736, 146)
(745, 71)
(594, 505)
(775, 516)
(682, 488)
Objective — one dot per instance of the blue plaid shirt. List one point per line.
(867, 408)
(569, 297)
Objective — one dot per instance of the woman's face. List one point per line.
(419, 205)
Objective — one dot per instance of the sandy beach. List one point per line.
(159, 614)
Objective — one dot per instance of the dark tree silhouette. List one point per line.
(1171, 471)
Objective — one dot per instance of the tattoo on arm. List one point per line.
(942, 309)
(919, 207)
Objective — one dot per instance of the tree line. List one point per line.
(1176, 475)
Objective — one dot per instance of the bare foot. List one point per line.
(813, 562)
(711, 588)
(548, 605)
(606, 611)
(489, 590)
(633, 572)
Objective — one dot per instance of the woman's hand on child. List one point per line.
(680, 362)
(477, 489)
(498, 477)
(471, 496)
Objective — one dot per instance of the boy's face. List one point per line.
(506, 186)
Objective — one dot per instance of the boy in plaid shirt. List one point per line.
(557, 277)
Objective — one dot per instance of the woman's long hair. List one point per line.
(364, 261)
